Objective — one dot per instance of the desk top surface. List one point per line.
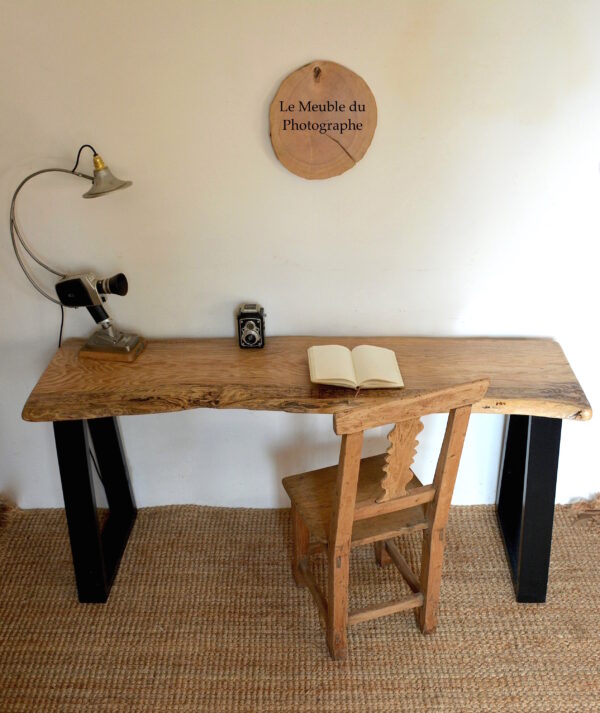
(527, 376)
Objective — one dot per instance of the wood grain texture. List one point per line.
(314, 154)
(402, 565)
(300, 545)
(85, 353)
(327, 501)
(340, 538)
(382, 556)
(317, 594)
(313, 495)
(434, 540)
(402, 406)
(415, 496)
(527, 376)
(399, 458)
(410, 601)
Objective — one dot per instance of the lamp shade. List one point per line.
(104, 181)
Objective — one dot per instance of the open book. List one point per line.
(365, 367)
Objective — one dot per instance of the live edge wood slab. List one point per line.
(527, 376)
(530, 379)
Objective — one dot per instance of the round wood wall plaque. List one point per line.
(322, 120)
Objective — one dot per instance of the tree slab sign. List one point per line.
(322, 120)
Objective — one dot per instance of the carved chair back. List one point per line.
(385, 485)
(399, 489)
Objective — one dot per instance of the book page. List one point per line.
(376, 367)
(331, 364)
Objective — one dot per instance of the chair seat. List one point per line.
(313, 494)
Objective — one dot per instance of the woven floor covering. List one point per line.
(204, 616)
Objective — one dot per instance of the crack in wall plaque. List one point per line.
(322, 120)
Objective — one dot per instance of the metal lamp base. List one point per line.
(118, 347)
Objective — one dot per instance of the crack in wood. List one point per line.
(344, 149)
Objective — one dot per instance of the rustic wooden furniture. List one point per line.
(530, 379)
(374, 500)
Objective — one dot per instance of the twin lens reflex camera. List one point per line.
(251, 326)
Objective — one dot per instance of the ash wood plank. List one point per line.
(386, 527)
(340, 538)
(527, 376)
(417, 496)
(402, 565)
(313, 496)
(434, 539)
(409, 602)
(403, 407)
(300, 545)
(313, 588)
(400, 456)
(382, 556)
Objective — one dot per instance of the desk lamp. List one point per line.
(84, 290)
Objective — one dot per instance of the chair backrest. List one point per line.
(405, 412)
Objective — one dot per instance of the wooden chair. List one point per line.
(376, 499)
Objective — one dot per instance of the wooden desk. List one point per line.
(531, 381)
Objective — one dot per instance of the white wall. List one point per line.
(474, 212)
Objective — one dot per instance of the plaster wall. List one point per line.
(474, 212)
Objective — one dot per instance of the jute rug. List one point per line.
(204, 616)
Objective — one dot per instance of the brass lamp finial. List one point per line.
(98, 162)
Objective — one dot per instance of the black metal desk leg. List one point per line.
(525, 503)
(96, 553)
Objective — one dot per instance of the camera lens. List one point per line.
(250, 333)
(115, 285)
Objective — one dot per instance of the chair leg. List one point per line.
(381, 554)
(337, 603)
(300, 542)
(431, 577)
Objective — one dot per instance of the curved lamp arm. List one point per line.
(103, 182)
(15, 234)
(82, 290)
